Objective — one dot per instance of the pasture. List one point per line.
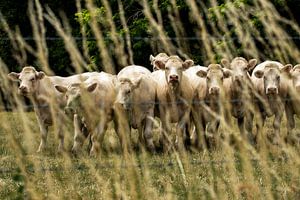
(230, 172)
(218, 60)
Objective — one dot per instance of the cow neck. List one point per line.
(174, 93)
(41, 91)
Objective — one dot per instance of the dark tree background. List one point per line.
(143, 43)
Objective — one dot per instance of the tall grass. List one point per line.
(235, 170)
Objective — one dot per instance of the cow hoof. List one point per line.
(75, 151)
(93, 153)
(60, 150)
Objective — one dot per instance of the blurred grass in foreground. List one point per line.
(213, 175)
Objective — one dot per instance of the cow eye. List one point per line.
(32, 79)
(278, 78)
(208, 78)
(167, 68)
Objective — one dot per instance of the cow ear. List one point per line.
(13, 76)
(40, 75)
(259, 74)
(61, 89)
(137, 82)
(202, 73)
(225, 63)
(251, 64)
(187, 63)
(151, 58)
(296, 67)
(287, 68)
(227, 73)
(91, 87)
(159, 64)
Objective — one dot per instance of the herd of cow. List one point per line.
(194, 97)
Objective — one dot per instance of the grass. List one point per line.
(227, 173)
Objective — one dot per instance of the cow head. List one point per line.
(126, 88)
(173, 68)
(214, 75)
(295, 74)
(272, 75)
(161, 56)
(29, 80)
(73, 94)
(240, 68)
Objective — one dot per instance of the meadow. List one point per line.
(109, 35)
(232, 171)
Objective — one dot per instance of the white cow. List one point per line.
(45, 98)
(174, 95)
(208, 105)
(90, 104)
(271, 85)
(136, 99)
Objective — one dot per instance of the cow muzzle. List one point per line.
(23, 90)
(214, 90)
(173, 78)
(238, 78)
(69, 111)
(272, 90)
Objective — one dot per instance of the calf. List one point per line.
(271, 85)
(90, 104)
(174, 95)
(239, 92)
(136, 99)
(210, 95)
(41, 91)
(292, 106)
(161, 56)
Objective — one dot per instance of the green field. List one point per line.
(231, 172)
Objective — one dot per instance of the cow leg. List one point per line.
(140, 132)
(248, 125)
(148, 132)
(179, 136)
(187, 135)
(78, 134)
(165, 131)
(212, 133)
(60, 137)
(97, 137)
(122, 127)
(276, 125)
(260, 122)
(290, 122)
(241, 122)
(44, 133)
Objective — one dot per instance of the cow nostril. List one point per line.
(214, 90)
(272, 90)
(69, 111)
(173, 77)
(22, 88)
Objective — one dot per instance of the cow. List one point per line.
(209, 97)
(270, 81)
(161, 56)
(90, 104)
(292, 106)
(238, 89)
(135, 99)
(174, 95)
(40, 89)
